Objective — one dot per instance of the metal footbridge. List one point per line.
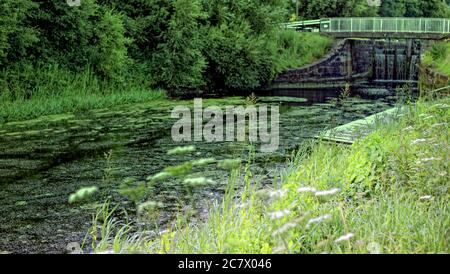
(377, 27)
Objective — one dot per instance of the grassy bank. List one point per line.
(27, 92)
(387, 193)
(301, 48)
(438, 58)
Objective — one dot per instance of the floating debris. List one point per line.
(74, 248)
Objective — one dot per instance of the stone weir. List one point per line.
(363, 64)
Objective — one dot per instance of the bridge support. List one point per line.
(364, 64)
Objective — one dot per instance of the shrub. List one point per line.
(15, 35)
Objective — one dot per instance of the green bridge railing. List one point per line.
(376, 24)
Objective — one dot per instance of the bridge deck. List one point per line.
(349, 133)
(378, 27)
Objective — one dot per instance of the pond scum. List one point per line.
(387, 193)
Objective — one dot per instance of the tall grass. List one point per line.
(28, 92)
(438, 57)
(387, 193)
(301, 48)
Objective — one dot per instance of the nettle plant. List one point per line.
(186, 173)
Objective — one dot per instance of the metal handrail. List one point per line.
(378, 24)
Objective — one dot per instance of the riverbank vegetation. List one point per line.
(107, 50)
(438, 58)
(387, 193)
(314, 9)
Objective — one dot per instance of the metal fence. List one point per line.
(397, 25)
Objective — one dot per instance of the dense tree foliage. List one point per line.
(240, 42)
(16, 36)
(179, 59)
(313, 9)
(174, 44)
(414, 8)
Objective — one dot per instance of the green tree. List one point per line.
(241, 42)
(78, 37)
(435, 8)
(414, 8)
(316, 9)
(393, 8)
(180, 59)
(16, 37)
(145, 21)
(109, 56)
(238, 59)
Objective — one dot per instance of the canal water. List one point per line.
(43, 161)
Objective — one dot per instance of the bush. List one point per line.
(110, 57)
(179, 60)
(438, 57)
(15, 35)
(237, 59)
(297, 49)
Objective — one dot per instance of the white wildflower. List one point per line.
(346, 237)
(243, 205)
(165, 231)
(279, 214)
(306, 189)
(418, 141)
(441, 106)
(410, 128)
(439, 125)
(105, 252)
(318, 220)
(374, 248)
(327, 192)
(431, 159)
(425, 198)
(278, 193)
(284, 228)
(278, 249)
(424, 160)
